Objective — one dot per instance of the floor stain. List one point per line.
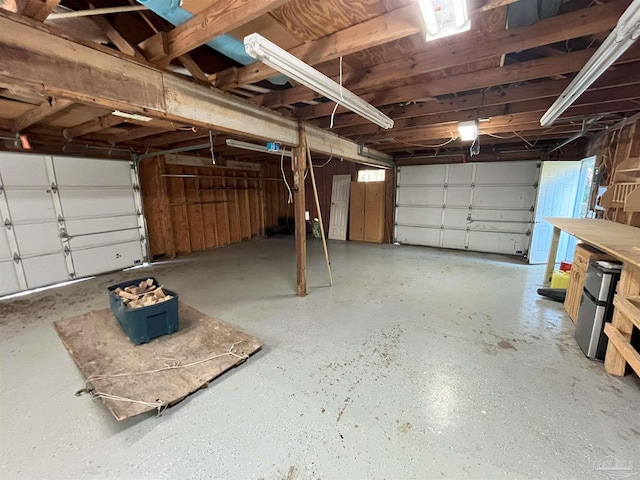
(291, 474)
(347, 401)
(405, 427)
(505, 345)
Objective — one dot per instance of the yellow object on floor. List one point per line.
(560, 279)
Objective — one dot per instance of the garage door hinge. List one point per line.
(54, 188)
(532, 209)
(16, 258)
(444, 206)
(7, 224)
(136, 188)
(473, 185)
(139, 213)
(528, 234)
(535, 184)
(63, 234)
(446, 185)
(142, 238)
(1, 189)
(67, 250)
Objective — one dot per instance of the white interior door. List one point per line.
(556, 198)
(338, 221)
(472, 206)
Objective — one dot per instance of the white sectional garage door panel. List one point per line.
(66, 217)
(482, 207)
(100, 213)
(33, 220)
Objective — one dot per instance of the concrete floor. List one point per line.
(418, 363)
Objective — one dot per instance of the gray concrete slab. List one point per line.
(418, 363)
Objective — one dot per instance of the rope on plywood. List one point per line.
(171, 364)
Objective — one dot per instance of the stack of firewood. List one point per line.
(144, 295)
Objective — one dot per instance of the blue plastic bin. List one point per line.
(145, 323)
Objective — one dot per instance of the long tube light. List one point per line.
(270, 54)
(255, 147)
(444, 17)
(619, 40)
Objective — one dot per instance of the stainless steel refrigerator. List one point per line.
(596, 307)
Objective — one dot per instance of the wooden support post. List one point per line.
(299, 165)
(315, 196)
(553, 252)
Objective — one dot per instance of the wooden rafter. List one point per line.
(38, 10)
(91, 126)
(116, 38)
(134, 134)
(394, 25)
(220, 17)
(555, 29)
(515, 73)
(39, 113)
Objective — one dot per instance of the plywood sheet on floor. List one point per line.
(98, 345)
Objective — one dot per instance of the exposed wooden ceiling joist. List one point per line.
(563, 27)
(220, 17)
(97, 75)
(39, 113)
(397, 24)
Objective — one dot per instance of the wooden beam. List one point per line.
(560, 28)
(516, 73)
(394, 25)
(39, 113)
(89, 73)
(491, 4)
(174, 137)
(155, 48)
(299, 166)
(194, 69)
(38, 10)
(601, 104)
(95, 125)
(220, 17)
(617, 81)
(114, 37)
(134, 134)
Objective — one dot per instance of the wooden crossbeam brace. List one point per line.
(39, 113)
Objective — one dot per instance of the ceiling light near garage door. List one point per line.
(468, 130)
(444, 17)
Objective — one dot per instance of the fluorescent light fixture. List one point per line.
(444, 17)
(468, 130)
(619, 40)
(131, 116)
(270, 54)
(256, 148)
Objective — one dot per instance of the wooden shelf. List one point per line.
(626, 316)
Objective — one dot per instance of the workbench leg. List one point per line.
(629, 284)
(553, 253)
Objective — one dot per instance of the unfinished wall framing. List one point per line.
(618, 157)
(191, 208)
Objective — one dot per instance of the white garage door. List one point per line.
(486, 207)
(66, 218)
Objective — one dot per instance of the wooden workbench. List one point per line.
(622, 242)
